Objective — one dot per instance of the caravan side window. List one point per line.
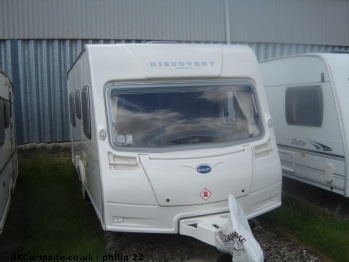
(78, 104)
(72, 108)
(2, 122)
(304, 106)
(11, 104)
(85, 111)
(7, 113)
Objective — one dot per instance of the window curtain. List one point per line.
(114, 107)
(246, 104)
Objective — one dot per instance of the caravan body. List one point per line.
(8, 150)
(307, 96)
(164, 132)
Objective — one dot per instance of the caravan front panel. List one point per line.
(170, 131)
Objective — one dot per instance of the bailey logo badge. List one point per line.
(204, 169)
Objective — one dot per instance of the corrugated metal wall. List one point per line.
(38, 70)
(37, 62)
(320, 22)
(266, 50)
(183, 20)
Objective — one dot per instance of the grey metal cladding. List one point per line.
(38, 71)
(40, 39)
(183, 20)
(322, 22)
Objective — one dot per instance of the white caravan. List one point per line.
(8, 150)
(162, 133)
(307, 96)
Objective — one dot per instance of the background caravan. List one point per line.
(308, 99)
(162, 133)
(8, 150)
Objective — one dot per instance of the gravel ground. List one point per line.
(278, 248)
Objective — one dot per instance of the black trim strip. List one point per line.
(313, 152)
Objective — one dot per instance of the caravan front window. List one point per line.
(184, 115)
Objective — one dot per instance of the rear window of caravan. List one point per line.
(304, 106)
